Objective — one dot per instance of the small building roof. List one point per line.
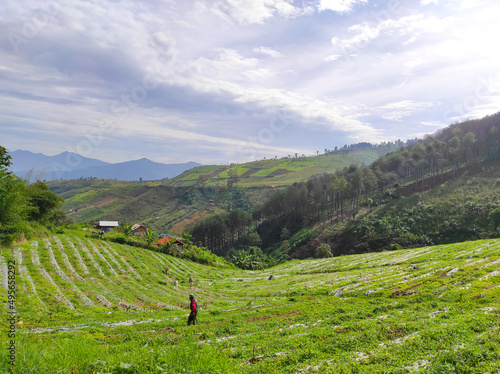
(167, 239)
(138, 227)
(108, 223)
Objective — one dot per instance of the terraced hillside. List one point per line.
(158, 207)
(89, 306)
(277, 172)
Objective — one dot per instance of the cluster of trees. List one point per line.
(366, 146)
(223, 231)
(23, 205)
(333, 198)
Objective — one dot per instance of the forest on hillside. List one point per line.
(282, 225)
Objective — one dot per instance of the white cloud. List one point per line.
(211, 78)
(411, 27)
(364, 34)
(165, 42)
(340, 6)
(229, 65)
(428, 2)
(268, 52)
(257, 11)
(397, 111)
(332, 58)
(466, 4)
(257, 74)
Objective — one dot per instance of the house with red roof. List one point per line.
(170, 240)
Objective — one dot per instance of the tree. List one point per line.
(324, 251)
(238, 223)
(455, 151)
(43, 202)
(369, 201)
(13, 209)
(5, 161)
(149, 237)
(232, 178)
(339, 185)
(468, 142)
(285, 234)
(494, 218)
(187, 238)
(369, 181)
(127, 229)
(254, 239)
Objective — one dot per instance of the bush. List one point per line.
(323, 251)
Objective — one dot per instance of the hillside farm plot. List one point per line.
(277, 171)
(96, 307)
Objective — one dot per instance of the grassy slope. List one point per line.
(258, 173)
(431, 310)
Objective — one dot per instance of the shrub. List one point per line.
(324, 251)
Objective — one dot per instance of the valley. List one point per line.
(176, 204)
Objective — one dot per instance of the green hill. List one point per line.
(278, 172)
(88, 306)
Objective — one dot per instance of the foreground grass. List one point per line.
(428, 310)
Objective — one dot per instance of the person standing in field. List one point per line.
(193, 305)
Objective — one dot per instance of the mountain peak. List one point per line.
(25, 163)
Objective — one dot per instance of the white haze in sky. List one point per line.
(235, 80)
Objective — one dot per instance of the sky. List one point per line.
(230, 81)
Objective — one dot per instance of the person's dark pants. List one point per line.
(192, 318)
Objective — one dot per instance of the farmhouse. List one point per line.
(139, 230)
(175, 243)
(107, 225)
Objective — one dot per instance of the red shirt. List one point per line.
(193, 306)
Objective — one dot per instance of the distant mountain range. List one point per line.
(69, 165)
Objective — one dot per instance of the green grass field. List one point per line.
(277, 172)
(89, 306)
